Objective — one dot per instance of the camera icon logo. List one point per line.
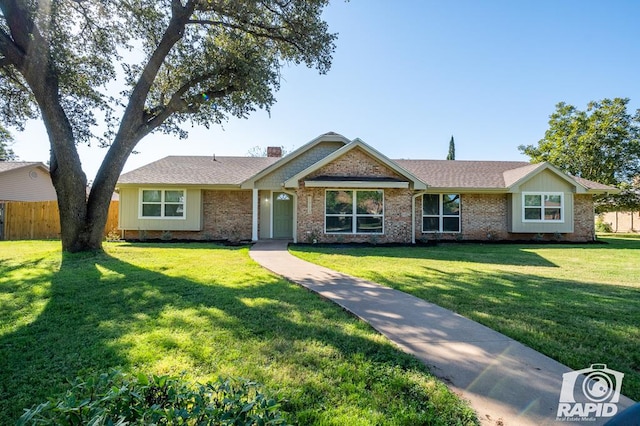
(590, 392)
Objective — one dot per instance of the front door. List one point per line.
(282, 215)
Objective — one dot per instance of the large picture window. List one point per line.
(543, 207)
(441, 213)
(354, 211)
(162, 203)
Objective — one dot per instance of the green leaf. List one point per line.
(143, 379)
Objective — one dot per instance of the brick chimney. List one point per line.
(274, 151)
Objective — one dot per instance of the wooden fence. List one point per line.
(40, 220)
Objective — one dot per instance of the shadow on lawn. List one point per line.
(576, 323)
(498, 254)
(96, 300)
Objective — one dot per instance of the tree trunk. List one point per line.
(83, 216)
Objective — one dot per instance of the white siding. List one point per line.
(26, 184)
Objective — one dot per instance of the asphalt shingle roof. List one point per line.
(463, 174)
(591, 184)
(479, 174)
(6, 166)
(198, 170)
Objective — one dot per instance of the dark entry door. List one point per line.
(282, 215)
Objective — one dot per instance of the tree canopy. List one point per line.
(179, 63)
(601, 144)
(6, 153)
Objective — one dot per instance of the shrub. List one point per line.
(113, 235)
(117, 399)
(602, 226)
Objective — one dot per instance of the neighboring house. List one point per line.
(25, 181)
(336, 190)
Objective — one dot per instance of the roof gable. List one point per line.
(356, 144)
(7, 166)
(518, 177)
(250, 182)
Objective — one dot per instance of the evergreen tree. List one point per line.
(452, 150)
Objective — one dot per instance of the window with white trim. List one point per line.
(441, 213)
(354, 212)
(162, 203)
(542, 207)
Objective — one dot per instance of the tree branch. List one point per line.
(13, 55)
(18, 22)
(133, 126)
(133, 118)
(272, 33)
(158, 115)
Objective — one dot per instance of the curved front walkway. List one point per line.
(506, 382)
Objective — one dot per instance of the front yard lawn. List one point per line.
(208, 311)
(578, 304)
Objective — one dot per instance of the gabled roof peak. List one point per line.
(6, 166)
(357, 143)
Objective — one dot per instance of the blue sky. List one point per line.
(407, 75)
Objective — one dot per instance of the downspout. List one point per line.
(413, 215)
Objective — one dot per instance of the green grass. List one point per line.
(208, 311)
(578, 304)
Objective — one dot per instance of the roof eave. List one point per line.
(235, 186)
(601, 191)
(355, 184)
(466, 190)
(327, 137)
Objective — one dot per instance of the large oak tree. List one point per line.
(6, 153)
(181, 62)
(601, 143)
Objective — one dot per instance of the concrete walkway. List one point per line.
(506, 382)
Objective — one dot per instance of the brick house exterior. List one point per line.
(338, 190)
